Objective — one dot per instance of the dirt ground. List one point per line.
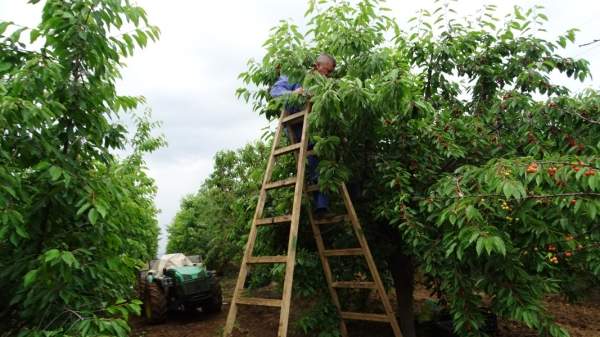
(581, 320)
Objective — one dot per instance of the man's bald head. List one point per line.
(325, 64)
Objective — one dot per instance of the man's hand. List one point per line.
(299, 91)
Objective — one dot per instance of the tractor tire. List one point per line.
(155, 304)
(214, 304)
(140, 286)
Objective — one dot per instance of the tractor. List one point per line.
(176, 282)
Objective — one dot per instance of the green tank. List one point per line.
(178, 283)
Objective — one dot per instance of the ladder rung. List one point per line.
(267, 302)
(364, 316)
(267, 259)
(293, 116)
(331, 219)
(287, 149)
(273, 220)
(311, 188)
(343, 252)
(281, 183)
(353, 284)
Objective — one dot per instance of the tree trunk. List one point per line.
(403, 270)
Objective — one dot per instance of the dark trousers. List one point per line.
(321, 200)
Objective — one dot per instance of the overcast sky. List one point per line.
(189, 77)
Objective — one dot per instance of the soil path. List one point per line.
(581, 320)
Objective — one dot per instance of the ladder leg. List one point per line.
(293, 239)
(327, 271)
(370, 262)
(231, 315)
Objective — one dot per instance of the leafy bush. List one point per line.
(75, 220)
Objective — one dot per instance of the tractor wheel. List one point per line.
(155, 304)
(140, 286)
(215, 303)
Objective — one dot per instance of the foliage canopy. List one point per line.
(461, 140)
(75, 220)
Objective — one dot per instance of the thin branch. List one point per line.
(18, 49)
(568, 194)
(532, 196)
(566, 163)
(116, 305)
(81, 318)
(586, 118)
(592, 229)
(49, 325)
(589, 43)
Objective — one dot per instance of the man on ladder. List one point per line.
(324, 65)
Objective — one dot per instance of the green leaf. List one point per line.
(3, 26)
(21, 231)
(101, 209)
(141, 38)
(479, 246)
(450, 249)
(93, 216)
(4, 66)
(51, 254)
(69, 259)
(42, 165)
(499, 245)
(592, 210)
(489, 245)
(10, 191)
(33, 35)
(473, 237)
(16, 35)
(14, 239)
(55, 172)
(83, 208)
(84, 327)
(472, 213)
(508, 189)
(30, 277)
(571, 35)
(129, 41)
(518, 14)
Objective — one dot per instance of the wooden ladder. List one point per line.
(299, 148)
(363, 250)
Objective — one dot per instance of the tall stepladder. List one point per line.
(300, 149)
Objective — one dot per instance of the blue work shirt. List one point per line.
(283, 86)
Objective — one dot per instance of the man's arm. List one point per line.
(282, 87)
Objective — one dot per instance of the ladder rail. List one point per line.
(231, 315)
(327, 271)
(293, 238)
(360, 236)
(298, 182)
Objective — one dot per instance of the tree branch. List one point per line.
(589, 43)
(586, 118)
(532, 196)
